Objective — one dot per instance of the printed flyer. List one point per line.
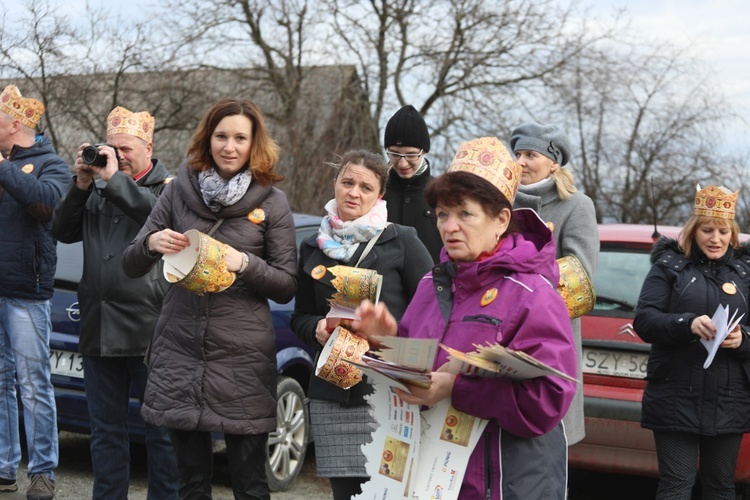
(415, 455)
(392, 454)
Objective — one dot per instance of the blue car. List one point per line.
(287, 446)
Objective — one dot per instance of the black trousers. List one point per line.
(678, 452)
(344, 488)
(246, 457)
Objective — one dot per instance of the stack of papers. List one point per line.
(724, 325)
(400, 360)
(416, 376)
(498, 361)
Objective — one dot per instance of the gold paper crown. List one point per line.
(353, 285)
(715, 201)
(26, 110)
(122, 121)
(488, 158)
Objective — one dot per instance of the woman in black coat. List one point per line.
(689, 407)
(357, 215)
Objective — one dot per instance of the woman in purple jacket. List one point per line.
(496, 283)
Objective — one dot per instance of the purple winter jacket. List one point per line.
(528, 315)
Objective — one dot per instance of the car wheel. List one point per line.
(287, 445)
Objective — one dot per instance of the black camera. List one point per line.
(91, 156)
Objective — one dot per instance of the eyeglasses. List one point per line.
(410, 157)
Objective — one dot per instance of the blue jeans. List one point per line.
(24, 356)
(108, 383)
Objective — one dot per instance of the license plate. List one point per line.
(69, 364)
(615, 363)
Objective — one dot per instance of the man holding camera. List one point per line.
(118, 314)
(32, 180)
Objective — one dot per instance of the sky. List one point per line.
(714, 31)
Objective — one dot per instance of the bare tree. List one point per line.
(83, 68)
(643, 119)
(276, 47)
(453, 59)
(458, 61)
(328, 73)
(33, 50)
(737, 168)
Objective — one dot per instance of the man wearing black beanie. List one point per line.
(406, 142)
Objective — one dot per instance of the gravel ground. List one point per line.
(75, 479)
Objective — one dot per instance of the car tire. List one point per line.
(287, 445)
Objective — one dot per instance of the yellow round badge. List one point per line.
(318, 272)
(27, 169)
(488, 296)
(729, 288)
(256, 216)
(551, 226)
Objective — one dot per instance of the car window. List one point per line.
(619, 278)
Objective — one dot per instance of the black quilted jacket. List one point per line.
(680, 394)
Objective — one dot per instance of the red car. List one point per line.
(614, 362)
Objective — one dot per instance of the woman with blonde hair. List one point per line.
(548, 187)
(695, 407)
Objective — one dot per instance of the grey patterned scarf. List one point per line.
(219, 193)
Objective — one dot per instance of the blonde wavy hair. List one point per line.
(687, 234)
(565, 182)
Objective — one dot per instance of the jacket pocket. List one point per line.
(658, 369)
(482, 318)
(484, 328)
(666, 364)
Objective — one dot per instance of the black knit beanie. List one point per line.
(407, 128)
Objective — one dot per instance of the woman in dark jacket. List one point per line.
(689, 407)
(340, 418)
(212, 361)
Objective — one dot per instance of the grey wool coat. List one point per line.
(574, 227)
(212, 361)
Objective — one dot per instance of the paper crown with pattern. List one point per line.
(715, 201)
(487, 158)
(200, 267)
(24, 109)
(123, 121)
